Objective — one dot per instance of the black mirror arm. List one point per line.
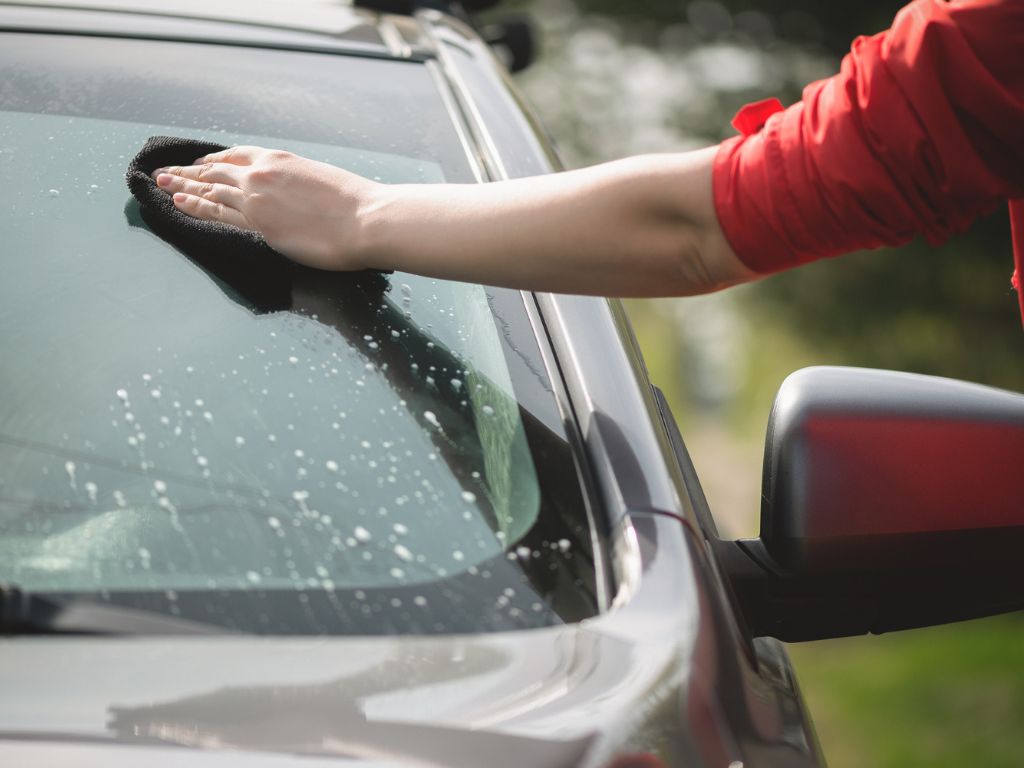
(798, 607)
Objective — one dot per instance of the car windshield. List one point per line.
(378, 453)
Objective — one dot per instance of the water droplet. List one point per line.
(300, 495)
(400, 529)
(361, 534)
(431, 418)
(468, 496)
(299, 453)
(458, 555)
(273, 522)
(402, 553)
(202, 461)
(122, 394)
(397, 573)
(332, 465)
(155, 394)
(239, 441)
(253, 577)
(564, 545)
(207, 415)
(54, 193)
(488, 411)
(523, 552)
(91, 490)
(160, 486)
(69, 467)
(420, 600)
(293, 360)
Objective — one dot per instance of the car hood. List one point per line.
(650, 683)
(538, 698)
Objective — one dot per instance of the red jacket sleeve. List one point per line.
(921, 131)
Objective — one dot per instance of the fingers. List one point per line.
(217, 193)
(210, 173)
(208, 210)
(233, 155)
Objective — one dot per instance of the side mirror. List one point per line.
(890, 501)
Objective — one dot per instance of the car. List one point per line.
(389, 520)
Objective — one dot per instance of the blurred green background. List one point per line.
(620, 77)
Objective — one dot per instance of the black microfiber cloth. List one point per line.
(242, 259)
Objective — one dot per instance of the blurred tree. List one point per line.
(806, 22)
(661, 75)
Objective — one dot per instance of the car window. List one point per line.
(359, 461)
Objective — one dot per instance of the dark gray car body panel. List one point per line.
(666, 671)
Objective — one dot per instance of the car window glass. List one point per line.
(164, 440)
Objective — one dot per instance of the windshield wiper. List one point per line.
(24, 613)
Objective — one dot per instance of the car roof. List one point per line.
(331, 24)
(325, 16)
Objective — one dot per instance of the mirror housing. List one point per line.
(890, 501)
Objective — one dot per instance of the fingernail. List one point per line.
(157, 172)
(163, 180)
(179, 197)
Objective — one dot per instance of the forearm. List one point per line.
(644, 226)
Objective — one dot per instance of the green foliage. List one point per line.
(830, 24)
(945, 311)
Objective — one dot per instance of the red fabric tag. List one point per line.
(752, 117)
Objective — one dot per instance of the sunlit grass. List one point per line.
(944, 697)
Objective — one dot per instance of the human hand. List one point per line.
(307, 210)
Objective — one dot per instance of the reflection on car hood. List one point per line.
(537, 698)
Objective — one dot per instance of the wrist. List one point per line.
(370, 243)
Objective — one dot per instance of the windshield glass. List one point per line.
(359, 461)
